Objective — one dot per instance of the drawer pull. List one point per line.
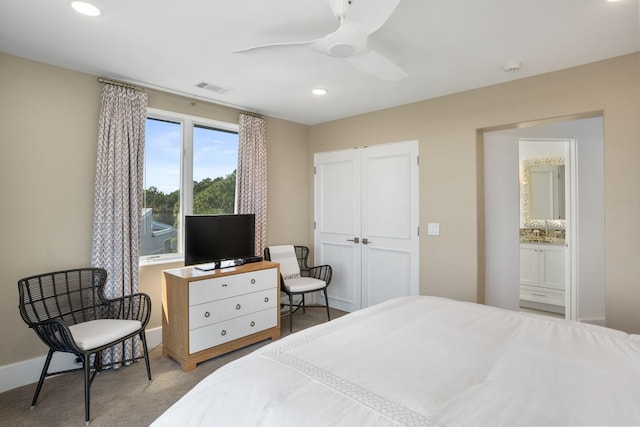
(253, 281)
(224, 285)
(207, 314)
(266, 299)
(535, 294)
(223, 333)
(252, 324)
(238, 306)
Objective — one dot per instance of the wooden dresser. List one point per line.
(209, 313)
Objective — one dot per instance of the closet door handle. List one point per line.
(354, 240)
(366, 241)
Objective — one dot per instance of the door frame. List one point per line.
(571, 237)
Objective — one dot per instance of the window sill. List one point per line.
(162, 262)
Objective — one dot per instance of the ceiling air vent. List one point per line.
(512, 66)
(213, 88)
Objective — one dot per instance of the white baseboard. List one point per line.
(28, 371)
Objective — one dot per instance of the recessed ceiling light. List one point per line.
(319, 91)
(85, 8)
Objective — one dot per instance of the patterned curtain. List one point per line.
(118, 199)
(252, 174)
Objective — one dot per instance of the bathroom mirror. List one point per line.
(542, 191)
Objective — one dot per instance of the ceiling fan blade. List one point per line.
(272, 45)
(378, 65)
(372, 14)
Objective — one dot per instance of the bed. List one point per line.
(426, 361)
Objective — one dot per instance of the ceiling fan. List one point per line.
(358, 19)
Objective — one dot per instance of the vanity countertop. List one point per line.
(548, 240)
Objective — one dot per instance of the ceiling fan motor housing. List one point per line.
(342, 50)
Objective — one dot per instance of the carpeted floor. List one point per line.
(124, 397)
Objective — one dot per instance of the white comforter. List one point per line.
(426, 361)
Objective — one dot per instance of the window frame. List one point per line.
(187, 125)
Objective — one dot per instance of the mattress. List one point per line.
(426, 361)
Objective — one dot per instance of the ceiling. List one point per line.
(444, 46)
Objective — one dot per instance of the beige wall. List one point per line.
(48, 128)
(447, 129)
(48, 132)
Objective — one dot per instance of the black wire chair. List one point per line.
(321, 273)
(69, 312)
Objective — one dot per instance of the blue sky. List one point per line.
(215, 154)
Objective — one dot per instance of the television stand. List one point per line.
(224, 263)
(208, 266)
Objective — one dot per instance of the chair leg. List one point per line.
(143, 338)
(304, 308)
(87, 386)
(326, 301)
(290, 313)
(97, 362)
(43, 375)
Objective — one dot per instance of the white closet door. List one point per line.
(367, 223)
(338, 223)
(389, 222)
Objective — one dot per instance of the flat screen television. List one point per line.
(211, 238)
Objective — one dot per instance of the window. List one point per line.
(190, 168)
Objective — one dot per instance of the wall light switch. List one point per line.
(433, 229)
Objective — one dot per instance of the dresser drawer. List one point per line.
(265, 299)
(201, 291)
(205, 314)
(542, 295)
(212, 335)
(258, 321)
(237, 306)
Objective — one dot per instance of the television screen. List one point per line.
(210, 238)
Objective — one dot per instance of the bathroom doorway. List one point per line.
(502, 228)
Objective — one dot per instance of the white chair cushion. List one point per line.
(286, 256)
(304, 284)
(96, 333)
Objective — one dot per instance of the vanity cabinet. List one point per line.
(209, 313)
(542, 273)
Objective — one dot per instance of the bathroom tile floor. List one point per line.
(541, 312)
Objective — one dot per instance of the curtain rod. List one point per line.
(121, 84)
(193, 100)
(249, 113)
